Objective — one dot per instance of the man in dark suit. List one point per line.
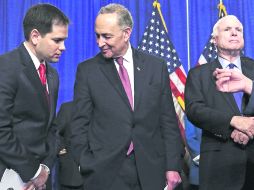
(28, 96)
(227, 151)
(68, 174)
(124, 129)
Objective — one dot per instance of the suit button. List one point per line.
(133, 126)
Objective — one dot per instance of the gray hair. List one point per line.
(124, 16)
(216, 26)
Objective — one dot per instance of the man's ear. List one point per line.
(214, 40)
(127, 33)
(35, 36)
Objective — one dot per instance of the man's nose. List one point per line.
(100, 42)
(234, 32)
(62, 46)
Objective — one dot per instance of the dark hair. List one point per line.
(42, 17)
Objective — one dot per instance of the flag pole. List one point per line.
(222, 8)
(158, 6)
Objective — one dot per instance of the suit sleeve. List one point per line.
(249, 110)
(62, 122)
(53, 145)
(210, 117)
(53, 139)
(13, 153)
(170, 130)
(81, 115)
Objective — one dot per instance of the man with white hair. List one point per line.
(224, 116)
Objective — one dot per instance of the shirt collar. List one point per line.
(33, 57)
(128, 55)
(224, 63)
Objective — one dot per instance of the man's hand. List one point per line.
(173, 179)
(29, 186)
(41, 179)
(243, 124)
(38, 183)
(229, 80)
(239, 137)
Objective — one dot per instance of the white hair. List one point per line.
(216, 26)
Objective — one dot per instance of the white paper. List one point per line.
(11, 179)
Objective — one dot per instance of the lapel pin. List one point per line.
(138, 68)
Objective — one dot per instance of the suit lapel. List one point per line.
(139, 77)
(247, 70)
(32, 75)
(52, 85)
(227, 96)
(107, 66)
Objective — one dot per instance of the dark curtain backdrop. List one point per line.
(189, 23)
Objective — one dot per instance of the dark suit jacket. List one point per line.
(223, 162)
(104, 124)
(27, 137)
(69, 174)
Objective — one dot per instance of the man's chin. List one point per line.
(107, 56)
(53, 60)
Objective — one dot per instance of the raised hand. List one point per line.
(228, 80)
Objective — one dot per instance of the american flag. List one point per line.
(210, 51)
(155, 41)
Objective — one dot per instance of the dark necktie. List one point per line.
(237, 95)
(123, 74)
(43, 78)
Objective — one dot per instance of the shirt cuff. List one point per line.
(37, 173)
(42, 166)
